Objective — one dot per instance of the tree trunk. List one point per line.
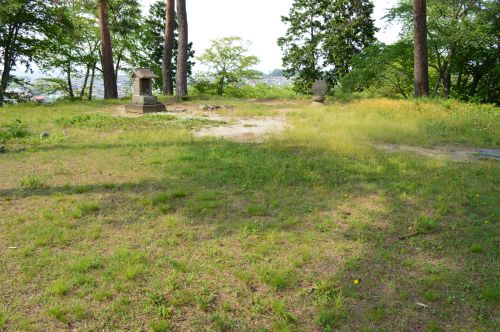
(91, 86)
(117, 68)
(181, 75)
(110, 88)
(5, 78)
(85, 80)
(166, 66)
(68, 80)
(7, 64)
(421, 66)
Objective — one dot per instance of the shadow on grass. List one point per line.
(417, 249)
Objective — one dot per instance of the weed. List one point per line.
(432, 296)
(83, 209)
(60, 287)
(86, 263)
(31, 182)
(222, 322)
(279, 308)
(13, 129)
(330, 302)
(4, 319)
(476, 248)
(160, 326)
(426, 225)
(277, 278)
(59, 313)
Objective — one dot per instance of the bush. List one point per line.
(14, 129)
(258, 91)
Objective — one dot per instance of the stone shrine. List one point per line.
(143, 100)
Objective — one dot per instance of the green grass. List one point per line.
(117, 223)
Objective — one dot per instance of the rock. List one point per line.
(320, 90)
(2, 149)
(44, 134)
(209, 107)
(318, 99)
(489, 154)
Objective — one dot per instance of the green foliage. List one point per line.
(228, 63)
(386, 68)
(463, 46)
(12, 129)
(322, 38)
(24, 27)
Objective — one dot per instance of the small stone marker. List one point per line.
(320, 90)
(143, 100)
(489, 154)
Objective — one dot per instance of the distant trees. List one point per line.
(182, 52)
(228, 63)
(322, 38)
(24, 25)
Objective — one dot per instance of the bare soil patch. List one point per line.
(452, 152)
(240, 129)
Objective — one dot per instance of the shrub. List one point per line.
(14, 129)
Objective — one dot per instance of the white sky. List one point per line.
(258, 21)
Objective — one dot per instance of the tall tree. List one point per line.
(108, 70)
(302, 43)
(421, 57)
(151, 50)
(463, 43)
(322, 38)
(168, 47)
(182, 52)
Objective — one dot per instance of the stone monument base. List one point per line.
(318, 99)
(145, 108)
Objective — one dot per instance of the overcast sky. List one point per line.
(258, 21)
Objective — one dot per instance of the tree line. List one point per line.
(86, 38)
(447, 48)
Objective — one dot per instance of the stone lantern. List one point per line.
(143, 100)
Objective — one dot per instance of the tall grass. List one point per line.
(345, 127)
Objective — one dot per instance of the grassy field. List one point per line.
(133, 224)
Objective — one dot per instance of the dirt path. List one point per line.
(245, 129)
(236, 128)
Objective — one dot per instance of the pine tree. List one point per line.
(322, 38)
(182, 52)
(168, 88)
(108, 70)
(421, 63)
